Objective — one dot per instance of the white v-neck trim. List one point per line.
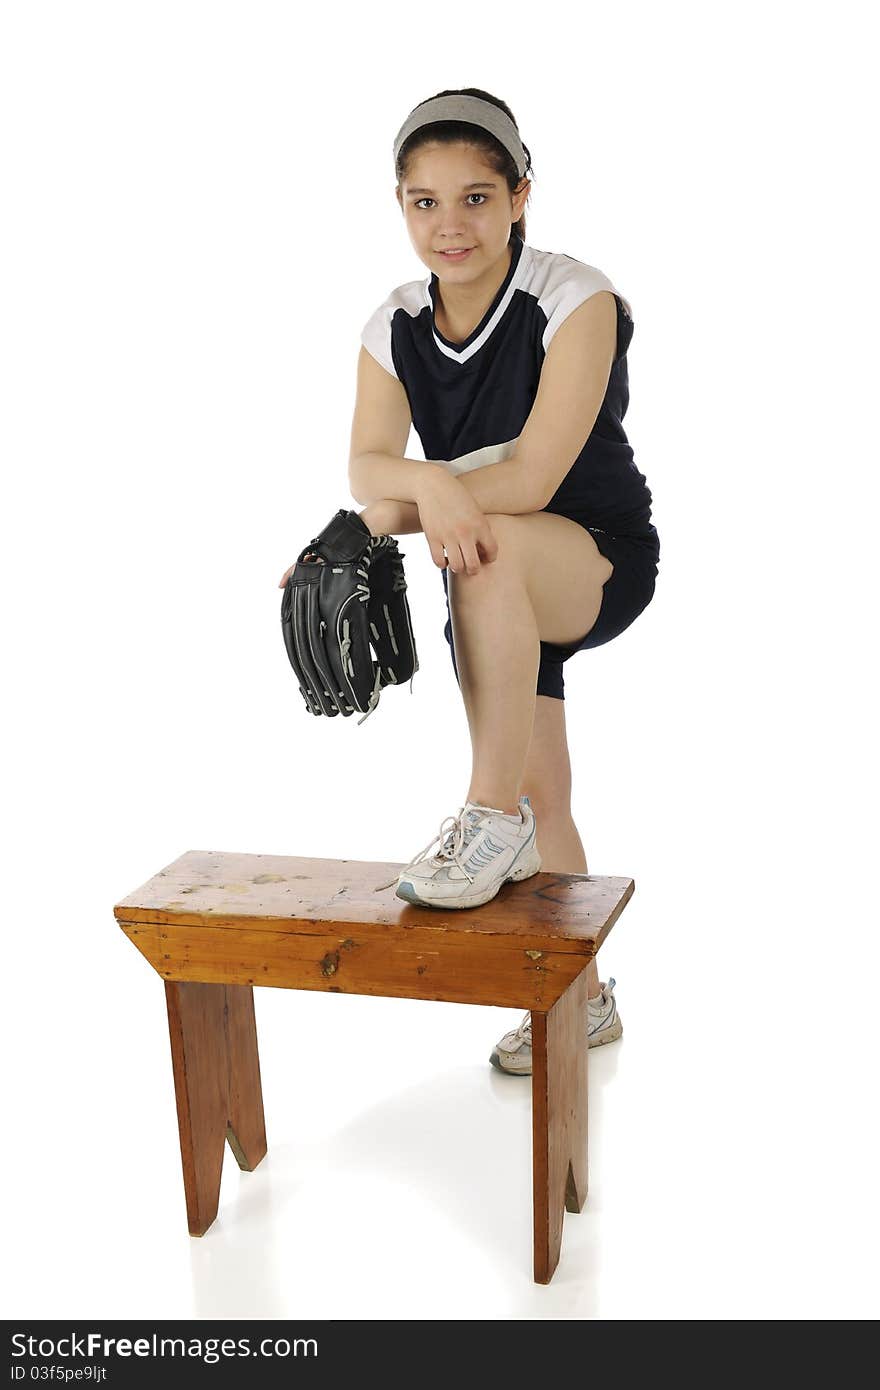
(466, 353)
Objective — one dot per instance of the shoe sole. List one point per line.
(605, 1035)
(527, 863)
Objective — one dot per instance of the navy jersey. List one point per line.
(470, 400)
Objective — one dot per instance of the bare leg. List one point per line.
(497, 652)
(547, 782)
(562, 852)
(546, 769)
(499, 616)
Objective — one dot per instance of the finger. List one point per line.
(471, 558)
(489, 544)
(456, 558)
(436, 550)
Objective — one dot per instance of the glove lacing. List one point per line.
(363, 593)
(453, 842)
(398, 581)
(374, 697)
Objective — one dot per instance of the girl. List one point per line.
(510, 363)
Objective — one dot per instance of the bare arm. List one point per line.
(388, 517)
(380, 429)
(505, 487)
(375, 476)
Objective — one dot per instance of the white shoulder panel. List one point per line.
(376, 333)
(561, 283)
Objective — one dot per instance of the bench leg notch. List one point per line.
(217, 1086)
(559, 1120)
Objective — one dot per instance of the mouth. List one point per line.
(457, 253)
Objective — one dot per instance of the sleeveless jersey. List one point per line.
(470, 400)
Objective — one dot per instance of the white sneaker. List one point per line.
(514, 1052)
(482, 850)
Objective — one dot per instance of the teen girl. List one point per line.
(510, 363)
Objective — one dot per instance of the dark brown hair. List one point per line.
(450, 132)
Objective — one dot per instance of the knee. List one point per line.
(509, 556)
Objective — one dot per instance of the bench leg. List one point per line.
(217, 1085)
(559, 1120)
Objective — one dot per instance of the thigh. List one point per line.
(563, 568)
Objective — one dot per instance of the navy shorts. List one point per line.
(630, 589)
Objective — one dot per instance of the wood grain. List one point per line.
(559, 1121)
(457, 970)
(217, 1088)
(213, 924)
(549, 912)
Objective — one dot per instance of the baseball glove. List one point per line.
(346, 590)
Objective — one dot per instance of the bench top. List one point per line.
(288, 893)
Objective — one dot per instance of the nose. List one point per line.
(453, 227)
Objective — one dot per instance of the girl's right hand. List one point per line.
(453, 521)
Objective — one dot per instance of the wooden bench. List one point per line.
(214, 924)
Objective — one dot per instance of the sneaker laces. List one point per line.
(523, 1032)
(603, 998)
(453, 842)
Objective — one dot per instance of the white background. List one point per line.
(199, 218)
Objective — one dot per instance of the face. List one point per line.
(443, 212)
